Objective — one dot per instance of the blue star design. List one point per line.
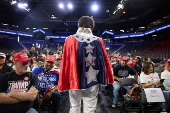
(89, 49)
(91, 75)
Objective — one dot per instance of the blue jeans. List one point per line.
(31, 110)
(167, 96)
(55, 101)
(116, 88)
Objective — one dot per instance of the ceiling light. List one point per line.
(22, 5)
(94, 7)
(61, 6)
(70, 6)
(13, 2)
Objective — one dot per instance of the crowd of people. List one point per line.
(80, 67)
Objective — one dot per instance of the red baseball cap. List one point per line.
(168, 61)
(134, 62)
(21, 57)
(50, 58)
(130, 63)
(115, 56)
(24, 50)
(32, 47)
(125, 58)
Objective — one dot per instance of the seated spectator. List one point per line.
(48, 76)
(121, 71)
(135, 67)
(36, 63)
(9, 59)
(150, 60)
(166, 74)
(3, 64)
(150, 79)
(115, 60)
(163, 61)
(58, 62)
(18, 88)
(138, 61)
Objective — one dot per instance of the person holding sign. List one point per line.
(150, 79)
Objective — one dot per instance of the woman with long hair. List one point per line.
(3, 64)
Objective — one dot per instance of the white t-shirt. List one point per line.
(149, 78)
(165, 75)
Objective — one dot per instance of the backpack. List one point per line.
(135, 91)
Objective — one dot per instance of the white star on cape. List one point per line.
(90, 60)
(91, 75)
(89, 49)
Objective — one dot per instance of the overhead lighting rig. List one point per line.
(120, 6)
(22, 4)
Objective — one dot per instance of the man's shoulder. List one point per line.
(37, 70)
(165, 73)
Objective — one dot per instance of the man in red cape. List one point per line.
(84, 66)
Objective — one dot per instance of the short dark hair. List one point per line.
(86, 22)
(146, 66)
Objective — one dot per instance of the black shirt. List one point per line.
(11, 82)
(8, 69)
(123, 72)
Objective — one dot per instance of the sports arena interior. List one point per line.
(129, 28)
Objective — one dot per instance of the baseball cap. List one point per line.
(134, 62)
(130, 63)
(24, 51)
(3, 55)
(168, 61)
(32, 47)
(125, 58)
(50, 58)
(21, 57)
(115, 56)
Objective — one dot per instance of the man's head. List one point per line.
(21, 62)
(2, 58)
(124, 61)
(49, 62)
(86, 22)
(58, 61)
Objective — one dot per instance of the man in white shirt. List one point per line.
(166, 74)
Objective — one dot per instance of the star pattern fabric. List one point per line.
(91, 75)
(90, 60)
(89, 49)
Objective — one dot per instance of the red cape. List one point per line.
(68, 78)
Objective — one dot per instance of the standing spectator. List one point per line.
(121, 71)
(84, 66)
(3, 64)
(48, 76)
(18, 88)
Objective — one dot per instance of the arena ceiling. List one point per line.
(46, 13)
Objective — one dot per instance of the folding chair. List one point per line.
(149, 107)
(46, 107)
(128, 102)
